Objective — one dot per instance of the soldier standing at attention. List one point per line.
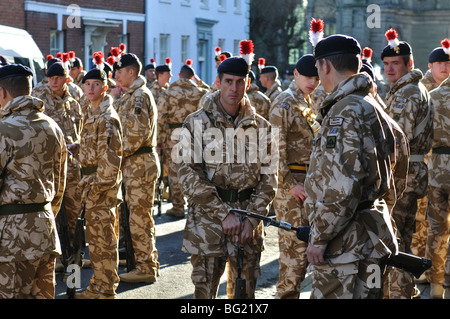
(150, 74)
(349, 171)
(100, 156)
(215, 185)
(30, 198)
(76, 71)
(438, 66)
(180, 99)
(407, 102)
(66, 111)
(163, 75)
(292, 114)
(269, 80)
(138, 115)
(438, 247)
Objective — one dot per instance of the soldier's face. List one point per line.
(56, 83)
(73, 72)
(150, 73)
(165, 77)
(94, 90)
(125, 77)
(307, 84)
(395, 68)
(439, 70)
(232, 89)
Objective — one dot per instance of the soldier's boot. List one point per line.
(447, 293)
(436, 291)
(175, 212)
(136, 276)
(88, 294)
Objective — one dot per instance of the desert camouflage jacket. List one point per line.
(201, 175)
(428, 81)
(439, 163)
(157, 90)
(259, 100)
(274, 91)
(138, 115)
(290, 113)
(350, 165)
(175, 104)
(33, 171)
(101, 147)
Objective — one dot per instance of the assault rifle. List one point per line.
(125, 214)
(64, 234)
(160, 184)
(411, 263)
(77, 252)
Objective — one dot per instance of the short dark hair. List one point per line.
(343, 62)
(186, 72)
(137, 67)
(17, 85)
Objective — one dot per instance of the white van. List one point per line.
(18, 46)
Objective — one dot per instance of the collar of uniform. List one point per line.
(104, 104)
(21, 103)
(414, 76)
(139, 82)
(274, 87)
(183, 83)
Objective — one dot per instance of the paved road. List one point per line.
(175, 268)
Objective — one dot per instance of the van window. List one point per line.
(39, 68)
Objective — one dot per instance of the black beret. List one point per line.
(149, 66)
(51, 61)
(306, 65)
(438, 55)
(226, 53)
(11, 70)
(107, 68)
(163, 68)
(367, 67)
(235, 66)
(95, 74)
(56, 69)
(76, 63)
(126, 59)
(269, 69)
(402, 49)
(336, 44)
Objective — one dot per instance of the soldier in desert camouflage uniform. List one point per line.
(349, 171)
(438, 247)
(66, 111)
(100, 156)
(76, 71)
(33, 165)
(180, 99)
(408, 104)
(292, 114)
(163, 76)
(138, 115)
(269, 79)
(258, 99)
(439, 68)
(213, 187)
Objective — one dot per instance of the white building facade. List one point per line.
(192, 29)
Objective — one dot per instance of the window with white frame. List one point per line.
(236, 47)
(237, 6)
(184, 48)
(186, 3)
(56, 42)
(164, 47)
(222, 5)
(204, 4)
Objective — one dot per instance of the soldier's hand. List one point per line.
(298, 191)
(315, 255)
(247, 232)
(231, 225)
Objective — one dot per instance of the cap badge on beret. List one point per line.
(117, 52)
(168, 62)
(261, 64)
(316, 31)
(246, 51)
(392, 37)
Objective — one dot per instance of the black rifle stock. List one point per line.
(77, 252)
(240, 290)
(64, 234)
(160, 189)
(125, 212)
(411, 263)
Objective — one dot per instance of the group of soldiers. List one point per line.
(353, 165)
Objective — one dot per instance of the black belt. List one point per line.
(10, 209)
(441, 150)
(143, 150)
(365, 205)
(176, 125)
(88, 170)
(233, 195)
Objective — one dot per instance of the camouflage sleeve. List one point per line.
(341, 174)
(109, 152)
(197, 188)
(139, 119)
(60, 177)
(278, 118)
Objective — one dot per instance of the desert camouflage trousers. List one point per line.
(29, 279)
(293, 260)
(354, 280)
(207, 271)
(419, 238)
(438, 235)
(102, 225)
(72, 196)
